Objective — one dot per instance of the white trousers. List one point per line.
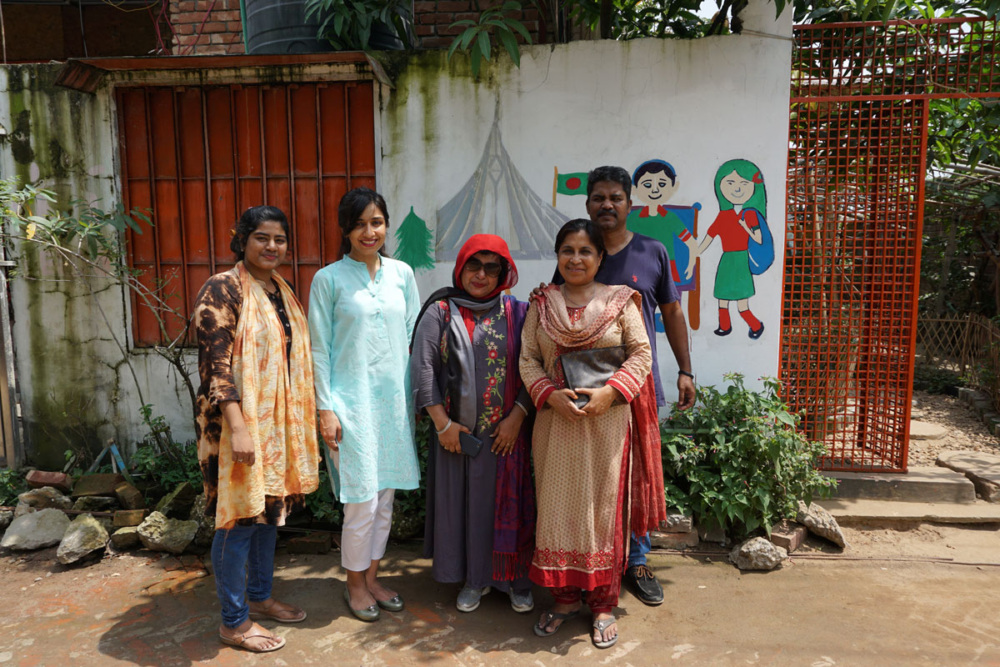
(366, 531)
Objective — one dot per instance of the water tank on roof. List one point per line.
(280, 26)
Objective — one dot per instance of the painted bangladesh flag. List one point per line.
(572, 184)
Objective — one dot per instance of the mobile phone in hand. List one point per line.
(470, 444)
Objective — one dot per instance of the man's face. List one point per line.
(608, 206)
(654, 189)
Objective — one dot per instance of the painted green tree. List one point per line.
(415, 243)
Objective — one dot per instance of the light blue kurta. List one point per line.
(361, 331)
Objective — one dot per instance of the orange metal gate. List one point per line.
(856, 165)
(196, 157)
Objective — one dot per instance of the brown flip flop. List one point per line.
(285, 613)
(255, 631)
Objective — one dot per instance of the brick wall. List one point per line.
(432, 18)
(212, 27)
(206, 27)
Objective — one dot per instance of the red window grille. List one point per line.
(196, 157)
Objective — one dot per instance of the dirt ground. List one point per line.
(965, 431)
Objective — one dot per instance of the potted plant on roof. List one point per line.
(362, 25)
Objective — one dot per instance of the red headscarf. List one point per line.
(485, 243)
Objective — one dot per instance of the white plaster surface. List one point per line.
(693, 103)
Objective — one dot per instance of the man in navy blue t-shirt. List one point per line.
(641, 263)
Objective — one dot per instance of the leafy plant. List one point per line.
(12, 484)
(320, 503)
(493, 27)
(936, 380)
(349, 24)
(412, 505)
(736, 460)
(166, 472)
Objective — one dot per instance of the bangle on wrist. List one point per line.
(446, 427)
(686, 373)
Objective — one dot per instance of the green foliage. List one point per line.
(647, 18)
(936, 380)
(12, 484)
(320, 503)
(736, 460)
(414, 503)
(166, 472)
(493, 27)
(349, 24)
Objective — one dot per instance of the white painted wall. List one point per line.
(694, 104)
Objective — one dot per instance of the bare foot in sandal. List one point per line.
(605, 630)
(276, 611)
(250, 637)
(552, 620)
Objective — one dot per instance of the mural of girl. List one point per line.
(739, 188)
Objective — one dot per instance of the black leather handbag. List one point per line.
(591, 368)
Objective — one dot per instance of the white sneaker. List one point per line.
(468, 598)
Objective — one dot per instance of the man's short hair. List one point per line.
(609, 174)
(654, 167)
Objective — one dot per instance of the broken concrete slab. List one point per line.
(130, 497)
(757, 554)
(84, 536)
(38, 499)
(126, 538)
(821, 523)
(36, 530)
(102, 484)
(95, 504)
(177, 504)
(158, 533)
(981, 468)
(920, 430)
(123, 518)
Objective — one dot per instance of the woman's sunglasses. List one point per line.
(492, 269)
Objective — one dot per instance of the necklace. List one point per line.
(268, 285)
(573, 303)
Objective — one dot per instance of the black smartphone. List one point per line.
(471, 445)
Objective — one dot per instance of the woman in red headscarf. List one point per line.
(464, 372)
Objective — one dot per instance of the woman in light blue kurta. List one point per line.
(362, 309)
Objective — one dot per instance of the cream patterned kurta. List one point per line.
(579, 477)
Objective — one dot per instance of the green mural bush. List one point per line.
(736, 460)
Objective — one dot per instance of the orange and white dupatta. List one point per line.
(278, 404)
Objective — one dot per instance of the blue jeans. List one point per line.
(243, 562)
(638, 547)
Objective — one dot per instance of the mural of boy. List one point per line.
(739, 189)
(655, 182)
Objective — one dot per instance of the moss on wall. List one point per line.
(58, 359)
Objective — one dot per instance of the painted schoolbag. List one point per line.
(761, 254)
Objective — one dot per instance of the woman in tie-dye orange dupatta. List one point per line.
(255, 419)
